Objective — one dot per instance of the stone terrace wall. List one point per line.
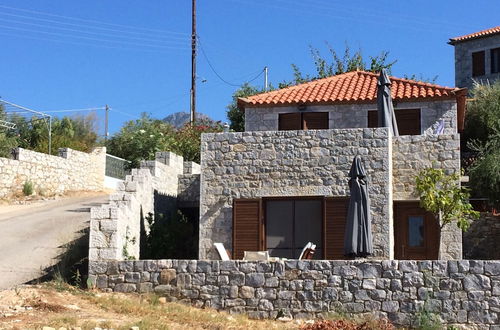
(70, 171)
(115, 228)
(290, 163)
(165, 170)
(414, 153)
(460, 292)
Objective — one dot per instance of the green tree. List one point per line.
(336, 64)
(442, 195)
(482, 135)
(140, 139)
(483, 113)
(234, 114)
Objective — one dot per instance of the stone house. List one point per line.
(477, 57)
(283, 182)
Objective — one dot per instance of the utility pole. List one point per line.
(106, 132)
(193, 63)
(266, 71)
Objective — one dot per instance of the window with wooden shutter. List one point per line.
(290, 121)
(247, 226)
(334, 226)
(478, 64)
(315, 120)
(495, 60)
(303, 121)
(408, 121)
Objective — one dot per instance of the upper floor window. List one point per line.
(478, 64)
(495, 60)
(302, 121)
(408, 121)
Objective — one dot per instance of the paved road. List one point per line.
(31, 235)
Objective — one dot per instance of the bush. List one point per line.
(28, 188)
(173, 237)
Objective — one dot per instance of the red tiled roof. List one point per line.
(475, 35)
(351, 87)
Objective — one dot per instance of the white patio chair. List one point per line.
(224, 256)
(308, 246)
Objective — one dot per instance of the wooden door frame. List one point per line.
(431, 230)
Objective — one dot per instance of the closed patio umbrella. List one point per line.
(358, 234)
(386, 116)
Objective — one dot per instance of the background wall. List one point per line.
(70, 171)
(356, 115)
(290, 163)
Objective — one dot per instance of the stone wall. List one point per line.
(290, 163)
(70, 171)
(115, 228)
(481, 240)
(414, 153)
(189, 190)
(165, 170)
(463, 60)
(356, 115)
(459, 292)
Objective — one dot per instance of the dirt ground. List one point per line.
(58, 305)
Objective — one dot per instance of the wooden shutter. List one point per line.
(372, 119)
(247, 226)
(315, 120)
(408, 121)
(290, 121)
(334, 226)
(478, 64)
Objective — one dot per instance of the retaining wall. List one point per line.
(70, 171)
(463, 292)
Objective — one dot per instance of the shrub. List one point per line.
(172, 237)
(28, 188)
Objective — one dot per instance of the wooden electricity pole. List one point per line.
(193, 63)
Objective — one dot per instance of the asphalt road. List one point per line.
(31, 236)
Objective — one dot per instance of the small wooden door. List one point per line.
(416, 232)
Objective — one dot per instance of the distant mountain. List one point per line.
(179, 119)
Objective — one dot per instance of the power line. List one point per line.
(94, 21)
(94, 27)
(93, 39)
(87, 44)
(178, 42)
(218, 75)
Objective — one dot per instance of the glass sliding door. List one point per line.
(291, 224)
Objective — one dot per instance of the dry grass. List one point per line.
(58, 305)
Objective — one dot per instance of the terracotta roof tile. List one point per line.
(475, 35)
(356, 86)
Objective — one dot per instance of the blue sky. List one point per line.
(134, 55)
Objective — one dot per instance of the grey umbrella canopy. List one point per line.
(358, 234)
(386, 116)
